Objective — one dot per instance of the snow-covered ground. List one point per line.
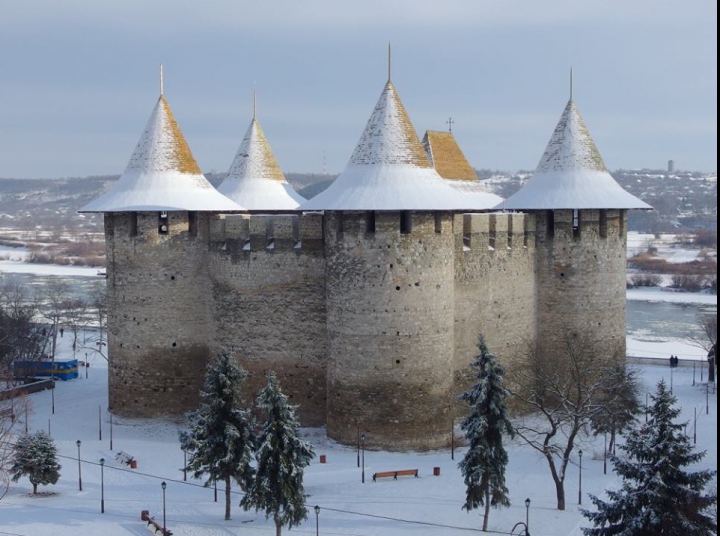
(400, 508)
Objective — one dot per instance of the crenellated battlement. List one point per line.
(268, 233)
(497, 231)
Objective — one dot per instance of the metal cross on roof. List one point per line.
(450, 122)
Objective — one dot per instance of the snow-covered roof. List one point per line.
(446, 156)
(162, 174)
(390, 170)
(255, 179)
(572, 174)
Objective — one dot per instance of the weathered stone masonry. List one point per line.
(369, 319)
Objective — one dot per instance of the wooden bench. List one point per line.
(124, 457)
(155, 526)
(396, 474)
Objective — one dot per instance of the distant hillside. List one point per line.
(680, 199)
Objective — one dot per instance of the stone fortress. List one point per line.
(367, 300)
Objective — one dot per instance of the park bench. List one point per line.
(124, 457)
(155, 526)
(396, 474)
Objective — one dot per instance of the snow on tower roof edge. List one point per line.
(572, 174)
(255, 179)
(162, 174)
(390, 171)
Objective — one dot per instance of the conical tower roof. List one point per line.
(572, 174)
(389, 169)
(255, 179)
(162, 174)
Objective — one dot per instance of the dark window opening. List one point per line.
(576, 223)
(163, 223)
(622, 225)
(438, 222)
(192, 223)
(341, 226)
(603, 224)
(405, 222)
(133, 224)
(550, 223)
(370, 222)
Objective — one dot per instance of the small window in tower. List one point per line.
(603, 224)
(192, 223)
(623, 222)
(576, 223)
(133, 224)
(163, 223)
(438, 222)
(341, 226)
(405, 222)
(550, 216)
(370, 222)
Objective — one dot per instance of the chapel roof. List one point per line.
(162, 174)
(447, 157)
(572, 174)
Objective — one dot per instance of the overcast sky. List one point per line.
(79, 78)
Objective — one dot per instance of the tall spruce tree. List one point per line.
(281, 459)
(220, 440)
(657, 497)
(35, 455)
(484, 465)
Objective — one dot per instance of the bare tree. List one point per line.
(706, 339)
(54, 298)
(21, 338)
(561, 396)
(13, 415)
(76, 319)
(97, 308)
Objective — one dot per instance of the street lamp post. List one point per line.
(362, 443)
(164, 485)
(102, 485)
(605, 456)
(580, 453)
(184, 465)
(78, 443)
(100, 423)
(358, 446)
(317, 521)
(527, 515)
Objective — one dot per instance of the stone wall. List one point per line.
(158, 311)
(269, 304)
(495, 291)
(581, 279)
(390, 300)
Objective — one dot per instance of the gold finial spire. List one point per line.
(389, 62)
(162, 81)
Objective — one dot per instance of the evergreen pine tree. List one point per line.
(281, 459)
(35, 455)
(484, 464)
(220, 440)
(657, 497)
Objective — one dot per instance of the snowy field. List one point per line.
(428, 506)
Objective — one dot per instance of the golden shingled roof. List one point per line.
(447, 157)
(182, 155)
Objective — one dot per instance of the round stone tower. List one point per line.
(389, 250)
(581, 241)
(158, 288)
